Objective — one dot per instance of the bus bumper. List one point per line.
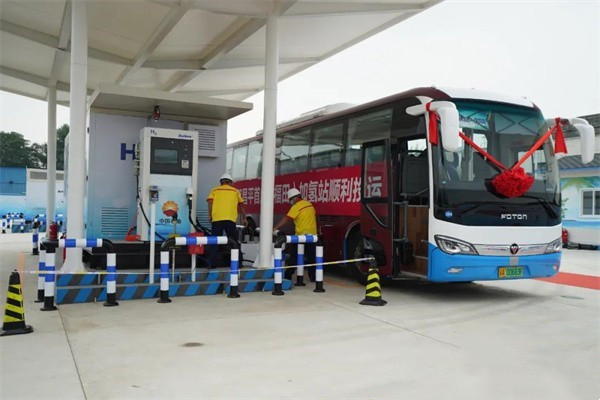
(445, 267)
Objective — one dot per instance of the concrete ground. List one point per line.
(492, 340)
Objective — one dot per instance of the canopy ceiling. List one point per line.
(210, 48)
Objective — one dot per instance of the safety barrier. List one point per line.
(34, 239)
(300, 240)
(50, 246)
(198, 241)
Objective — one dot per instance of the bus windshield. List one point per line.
(464, 193)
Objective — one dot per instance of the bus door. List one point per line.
(411, 206)
(375, 218)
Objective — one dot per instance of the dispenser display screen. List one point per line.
(165, 156)
(171, 156)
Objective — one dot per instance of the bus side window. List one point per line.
(365, 128)
(293, 154)
(326, 147)
(238, 169)
(254, 163)
(229, 160)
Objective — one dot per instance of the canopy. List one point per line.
(211, 48)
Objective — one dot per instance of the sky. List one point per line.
(548, 51)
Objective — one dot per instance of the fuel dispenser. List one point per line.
(167, 163)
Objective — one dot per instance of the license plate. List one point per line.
(510, 272)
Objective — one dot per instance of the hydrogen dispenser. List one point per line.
(168, 176)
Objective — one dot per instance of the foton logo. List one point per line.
(513, 216)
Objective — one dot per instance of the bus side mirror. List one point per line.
(449, 122)
(588, 138)
(587, 135)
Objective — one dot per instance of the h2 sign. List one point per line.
(125, 151)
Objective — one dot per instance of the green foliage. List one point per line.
(61, 134)
(16, 151)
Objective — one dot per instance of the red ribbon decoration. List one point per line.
(559, 145)
(433, 124)
(485, 154)
(511, 182)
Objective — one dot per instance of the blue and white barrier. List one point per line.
(300, 240)
(319, 270)
(34, 240)
(234, 274)
(111, 280)
(201, 240)
(278, 273)
(71, 243)
(41, 277)
(49, 279)
(164, 277)
(300, 266)
(50, 273)
(197, 241)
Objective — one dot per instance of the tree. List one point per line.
(61, 134)
(14, 150)
(38, 155)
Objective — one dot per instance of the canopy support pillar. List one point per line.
(51, 158)
(268, 150)
(75, 184)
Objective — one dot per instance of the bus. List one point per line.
(409, 179)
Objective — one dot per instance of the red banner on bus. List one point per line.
(334, 191)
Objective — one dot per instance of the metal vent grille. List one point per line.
(114, 223)
(42, 175)
(207, 141)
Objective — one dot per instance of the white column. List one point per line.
(77, 131)
(268, 151)
(51, 158)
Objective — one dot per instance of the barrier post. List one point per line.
(111, 280)
(277, 276)
(319, 269)
(34, 240)
(300, 264)
(164, 277)
(234, 274)
(41, 277)
(49, 279)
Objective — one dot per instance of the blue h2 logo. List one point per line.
(124, 151)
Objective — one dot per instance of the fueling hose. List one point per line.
(197, 225)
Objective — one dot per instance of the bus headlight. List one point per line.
(554, 246)
(454, 246)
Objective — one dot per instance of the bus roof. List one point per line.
(445, 93)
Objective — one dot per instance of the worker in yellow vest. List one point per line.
(304, 216)
(224, 204)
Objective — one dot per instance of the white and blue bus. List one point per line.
(413, 179)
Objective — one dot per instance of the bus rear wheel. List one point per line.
(356, 249)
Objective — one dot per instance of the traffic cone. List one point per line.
(14, 314)
(373, 292)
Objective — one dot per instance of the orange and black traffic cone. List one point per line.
(373, 292)
(14, 314)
